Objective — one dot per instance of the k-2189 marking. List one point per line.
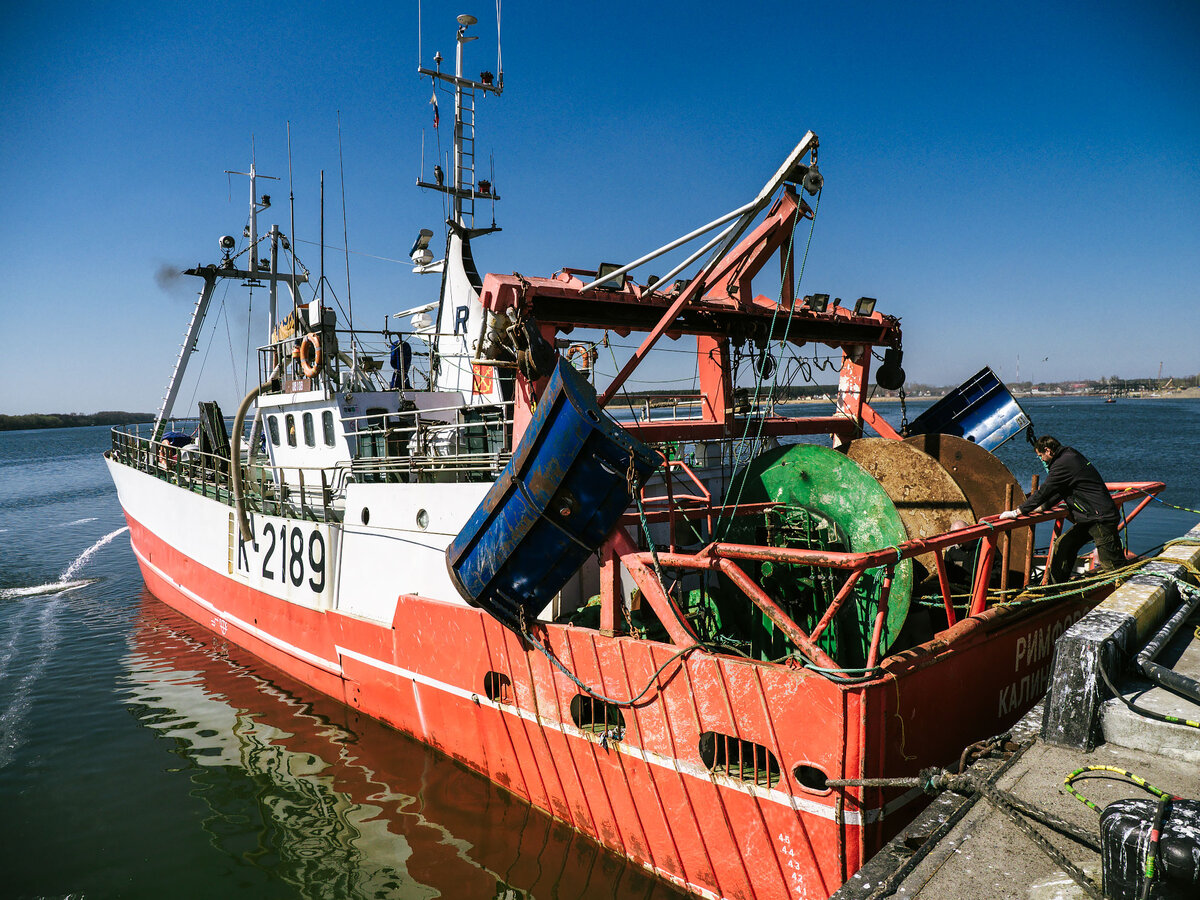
(289, 553)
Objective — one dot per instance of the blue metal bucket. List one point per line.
(553, 505)
(981, 410)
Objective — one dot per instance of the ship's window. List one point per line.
(498, 687)
(273, 427)
(290, 420)
(744, 760)
(310, 436)
(327, 426)
(593, 715)
(811, 777)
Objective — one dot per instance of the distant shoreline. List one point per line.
(34, 421)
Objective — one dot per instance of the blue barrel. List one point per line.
(980, 410)
(553, 505)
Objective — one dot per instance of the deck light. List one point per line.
(817, 302)
(609, 284)
(864, 306)
(420, 253)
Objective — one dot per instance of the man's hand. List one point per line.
(1009, 514)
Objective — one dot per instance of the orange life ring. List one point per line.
(313, 365)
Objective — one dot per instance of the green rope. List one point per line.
(1069, 783)
(1172, 505)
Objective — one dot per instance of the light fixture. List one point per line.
(609, 284)
(420, 253)
(864, 306)
(817, 302)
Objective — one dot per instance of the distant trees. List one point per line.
(71, 420)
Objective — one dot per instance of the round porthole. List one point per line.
(811, 777)
(422, 519)
(366, 516)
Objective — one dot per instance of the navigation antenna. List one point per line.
(462, 187)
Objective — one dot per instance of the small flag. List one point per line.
(433, 100)
(482, 379)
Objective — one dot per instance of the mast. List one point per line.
(252, 275)
(461, 319)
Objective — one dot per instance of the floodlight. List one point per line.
(609, 284)
(420, 253)
(817, 302)
(864, 306)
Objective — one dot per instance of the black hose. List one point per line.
(1169, 678)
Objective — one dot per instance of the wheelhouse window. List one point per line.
(310, 438)
(273, 427)
(290, 420)
(327, 426)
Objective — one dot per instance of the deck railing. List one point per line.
(312, 493)
(446, 443)
(729, 559)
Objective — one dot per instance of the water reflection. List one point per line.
(334, 804)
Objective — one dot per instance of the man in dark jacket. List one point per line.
(1072, 478)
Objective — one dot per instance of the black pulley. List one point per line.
(812, 180)
(890, 376)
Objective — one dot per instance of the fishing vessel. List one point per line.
(668, 622)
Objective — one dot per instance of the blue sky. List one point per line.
(1009, 179)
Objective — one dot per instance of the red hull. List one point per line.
(649, 795)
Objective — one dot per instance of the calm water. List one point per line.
(141, 756)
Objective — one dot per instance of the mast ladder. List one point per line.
(466, 155)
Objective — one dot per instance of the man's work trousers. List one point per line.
(1067, 547)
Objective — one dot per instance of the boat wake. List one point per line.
(53, 587)
(76, 522)
(66, 581)
(87, 554)
(14, 715)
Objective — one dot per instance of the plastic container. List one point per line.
(553, 505)
(981, 410)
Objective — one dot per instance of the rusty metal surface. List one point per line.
(982, 478)
(925, 494)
